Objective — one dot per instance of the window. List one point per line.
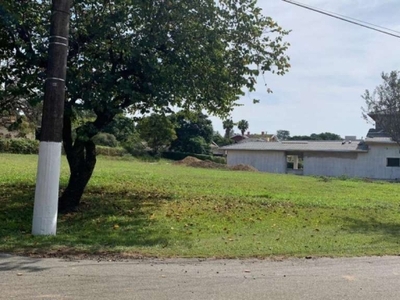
(393, 162)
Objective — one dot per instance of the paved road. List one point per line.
(293, 279)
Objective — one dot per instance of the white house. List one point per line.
(376, 157)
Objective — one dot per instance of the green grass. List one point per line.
(160, 209)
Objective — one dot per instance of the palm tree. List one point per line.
(243, 125)
(228, 126)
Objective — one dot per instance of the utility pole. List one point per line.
(48, 172)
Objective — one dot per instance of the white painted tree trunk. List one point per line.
(46, 193)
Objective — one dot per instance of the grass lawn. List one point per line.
(159, 209)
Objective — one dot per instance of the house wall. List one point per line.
(264, 161)
(330, 164)
(371, 164)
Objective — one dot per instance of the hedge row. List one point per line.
(111, 151)
(182, 155)
(26, 146)
(19, 146)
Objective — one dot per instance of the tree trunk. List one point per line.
(82, 160)
(81, 156)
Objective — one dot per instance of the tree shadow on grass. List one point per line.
(107, 220)
(389, 230)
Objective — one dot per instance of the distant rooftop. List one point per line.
(384, 140)
(304, 146)
(373, 133)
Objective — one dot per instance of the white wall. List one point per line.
(265, 161)
(371, 164)
(330, 164)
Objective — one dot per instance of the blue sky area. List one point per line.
(333, 63)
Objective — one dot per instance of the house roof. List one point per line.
(380, 140)
(374, 133)
(378, 136)
(303, 146)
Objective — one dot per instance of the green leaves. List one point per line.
(243, 125)
(157, 131)
(383, 105)
(150, 54)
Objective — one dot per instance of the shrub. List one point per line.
(19, 146)
(111, 151)
(26, 146)
(105, 139)
(343, 177)
(134, 145)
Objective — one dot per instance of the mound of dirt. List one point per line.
(191, 161)
(207, 165)
(242, 167)
(187, 160)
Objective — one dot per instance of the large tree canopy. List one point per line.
(383, 105)
(157, 130)
(282, 135)
(140, 56)
(194, 132)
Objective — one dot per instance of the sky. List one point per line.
(332, 64)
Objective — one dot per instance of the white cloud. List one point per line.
(333, 63)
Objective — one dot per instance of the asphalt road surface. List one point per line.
(52, 278)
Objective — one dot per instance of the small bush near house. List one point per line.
(343, 177)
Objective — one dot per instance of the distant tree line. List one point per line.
(284, 135)
(184, 131)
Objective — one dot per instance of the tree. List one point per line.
(383, 105)
(243, 125)
(122, 127)
(194, 132)
(141, 56)
(220, 140)
(157, 130)
(23, 126)
(228, 126)
(326, 136)
(283, 135)
(105, 139)
(323, 136)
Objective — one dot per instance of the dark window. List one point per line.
(393, 162)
